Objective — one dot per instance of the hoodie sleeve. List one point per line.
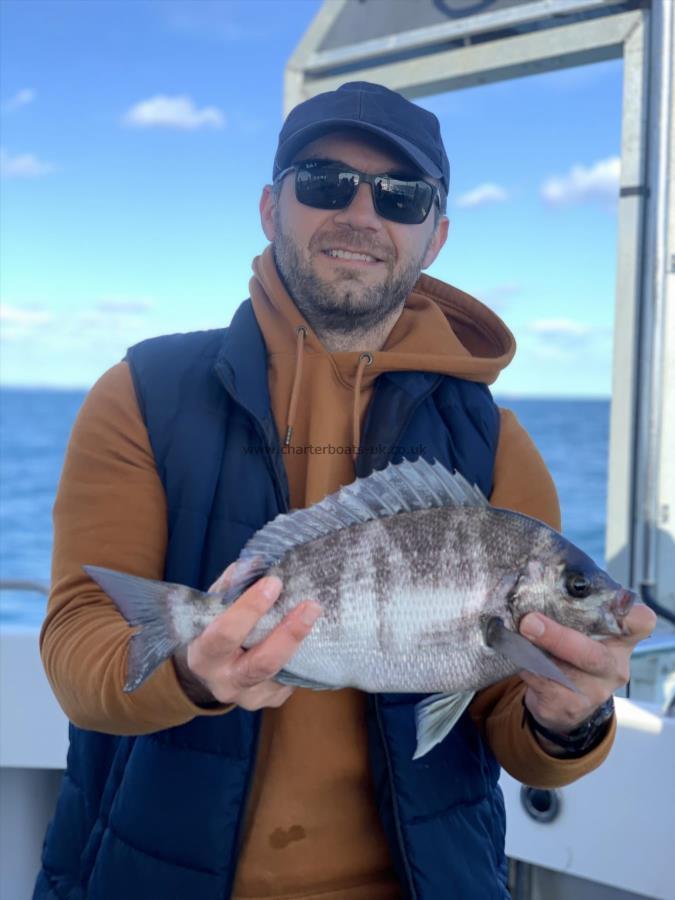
(110, 511)
(522, 483)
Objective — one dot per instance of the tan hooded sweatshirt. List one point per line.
(312, 828)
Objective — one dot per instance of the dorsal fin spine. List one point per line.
(407, 487)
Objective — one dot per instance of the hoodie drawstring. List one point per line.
(364, 360)
(301, 332)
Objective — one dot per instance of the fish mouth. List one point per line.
(621, 605)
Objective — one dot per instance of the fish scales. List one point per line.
(394, 592)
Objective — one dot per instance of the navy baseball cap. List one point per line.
(370, 107)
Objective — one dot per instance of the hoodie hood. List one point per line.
(441, 329)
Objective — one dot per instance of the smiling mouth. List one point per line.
(351, 256)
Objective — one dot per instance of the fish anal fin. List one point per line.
(291, 680)
(436, 716)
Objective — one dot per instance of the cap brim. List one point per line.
(306, 135)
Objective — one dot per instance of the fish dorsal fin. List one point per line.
(406, 487)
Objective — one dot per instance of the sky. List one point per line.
(136, 136)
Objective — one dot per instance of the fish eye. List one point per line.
(577, 585)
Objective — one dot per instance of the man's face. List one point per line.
(337, 294)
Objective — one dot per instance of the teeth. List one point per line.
(347, 254)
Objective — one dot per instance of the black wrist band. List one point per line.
(583, 738)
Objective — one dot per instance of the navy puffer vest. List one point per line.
(160, 816)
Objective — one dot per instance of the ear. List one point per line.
(439, 238)
(267, 212)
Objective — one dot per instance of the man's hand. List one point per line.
(597, 668)
(215, 667)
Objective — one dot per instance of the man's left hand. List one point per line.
(597, 668)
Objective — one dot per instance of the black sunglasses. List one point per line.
(325, 184)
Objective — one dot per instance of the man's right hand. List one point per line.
(215, 668)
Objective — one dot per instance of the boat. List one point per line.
(608, 836)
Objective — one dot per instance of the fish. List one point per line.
(422, 585)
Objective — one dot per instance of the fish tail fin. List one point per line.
(150, 605)
(436, 717)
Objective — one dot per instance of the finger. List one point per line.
(228, 631)
(567, 644)
(267, 693)
(638, 624)
(269, 656)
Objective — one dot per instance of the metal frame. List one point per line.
(653, 554)
(629, 277)
(556, 34)
(562, 46)
(421, 40)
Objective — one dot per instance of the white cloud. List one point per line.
(21, 98)
(173, 112)
(483, 195)
(13, 315)
(107, 321)
(17, 322)
(24, 165)
(559, 328)
(112, 317)
(497, 297)
(103, 326)
(566, 339)
(596, 183)
(123, 305)
(94, 337)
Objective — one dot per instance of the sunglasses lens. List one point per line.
(407, 202)
(325, 188)
(333, 187)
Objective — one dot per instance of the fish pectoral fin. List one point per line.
(436, 717)
(291, 680)
(524, 653)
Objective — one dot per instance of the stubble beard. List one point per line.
(346, 305)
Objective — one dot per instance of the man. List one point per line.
(184, 788)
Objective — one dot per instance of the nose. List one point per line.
(361, 212)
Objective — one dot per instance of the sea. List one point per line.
(35, 424)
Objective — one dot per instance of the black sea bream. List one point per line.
(422, 585)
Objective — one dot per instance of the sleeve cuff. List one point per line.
(520, 754)
(532, 765)
(191, 708)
